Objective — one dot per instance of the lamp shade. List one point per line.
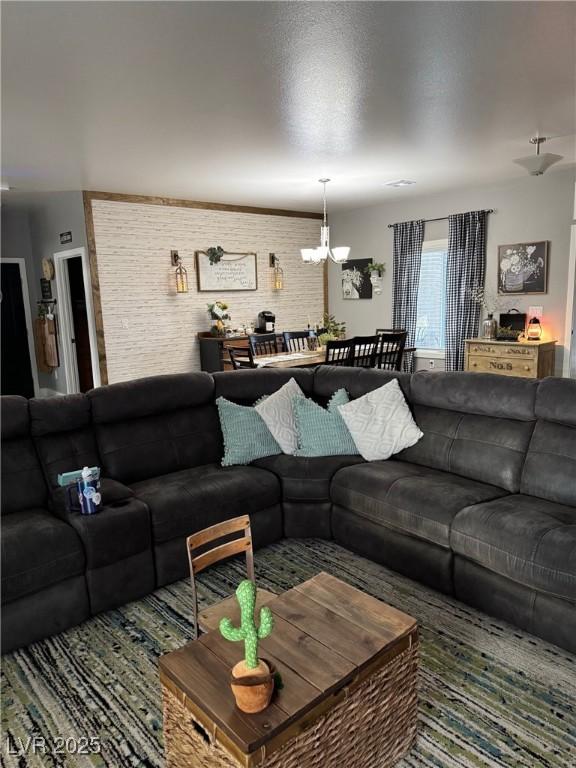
(307, 254)
(340, 254)
(537, 164)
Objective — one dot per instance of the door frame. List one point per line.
(28, 315)
(64, 309)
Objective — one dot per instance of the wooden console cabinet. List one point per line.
(529, 359)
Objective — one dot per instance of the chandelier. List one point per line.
(321, 253)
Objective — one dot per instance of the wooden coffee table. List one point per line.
(349, 666)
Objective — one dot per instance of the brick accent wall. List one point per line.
(150, 330)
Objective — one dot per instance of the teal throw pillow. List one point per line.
(246, 436)
(322, 431)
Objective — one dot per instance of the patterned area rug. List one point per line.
(489, 694)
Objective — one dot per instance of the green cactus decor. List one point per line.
(248, 631)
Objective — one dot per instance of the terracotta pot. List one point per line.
(252, 688)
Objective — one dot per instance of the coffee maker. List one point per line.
(266, 321)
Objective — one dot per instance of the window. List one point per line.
(431, 308)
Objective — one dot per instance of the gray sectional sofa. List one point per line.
(482, 507)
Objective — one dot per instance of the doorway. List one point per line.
(19, 372)
(77, 327)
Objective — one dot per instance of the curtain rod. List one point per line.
(441, 218)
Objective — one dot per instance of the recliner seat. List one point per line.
(43, 561)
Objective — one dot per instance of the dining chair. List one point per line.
(241, 357)
(339, 352)
(365, 351)
(263, 343)
(203, 551)
(390, 349)
(297, 341)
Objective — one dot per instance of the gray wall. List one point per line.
(530, 208)
(31, 227)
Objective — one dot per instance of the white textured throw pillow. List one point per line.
(278, 414)
(380, 422)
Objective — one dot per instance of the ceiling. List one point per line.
(252, 102)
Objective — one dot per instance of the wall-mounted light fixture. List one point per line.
(180, 273)
(277, 274)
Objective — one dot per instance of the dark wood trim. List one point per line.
(95, 280)
(171, 201)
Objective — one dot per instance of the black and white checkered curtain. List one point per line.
(466, 268)
(408, 238)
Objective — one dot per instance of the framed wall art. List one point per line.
(356, 280)
(523, 268)
(226, 272)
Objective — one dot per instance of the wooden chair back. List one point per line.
(297, 341)
(241, 357)
(201, 554)
(391, 349)
(365, 351)
(263, 343)
(339, 352)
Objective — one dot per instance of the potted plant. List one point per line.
(375, 271)
(215, 254)
(218, 312)
(252, 680)
(332, 327)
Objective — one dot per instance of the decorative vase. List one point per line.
(489, 327)
(252, 688)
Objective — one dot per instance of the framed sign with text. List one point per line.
(229, 272)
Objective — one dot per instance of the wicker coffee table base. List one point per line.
(373, 726)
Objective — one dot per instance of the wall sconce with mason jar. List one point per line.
(180, 273)
(277, 274)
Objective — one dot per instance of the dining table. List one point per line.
(300, 359)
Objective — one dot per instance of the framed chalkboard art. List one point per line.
(219, 270)
(523, 268)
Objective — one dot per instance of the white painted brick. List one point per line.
(133, 244)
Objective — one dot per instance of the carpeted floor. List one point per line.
(490, 695)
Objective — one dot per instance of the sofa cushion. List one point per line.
(380, 422)
(154, 426)
(246, 435)
(277, 410)
(306, 479)
(246, 386)
(556, 401)
(150, 395)
(192, 499)
(63, 435)
(528, 540)
(484, 394)
(356, 381)
(550, 466)
(37, 550)
(322, 431)
(23, 485)
(408, 498)
(478, 447)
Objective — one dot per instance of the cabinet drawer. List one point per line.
(520, 351)
(508, 366)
